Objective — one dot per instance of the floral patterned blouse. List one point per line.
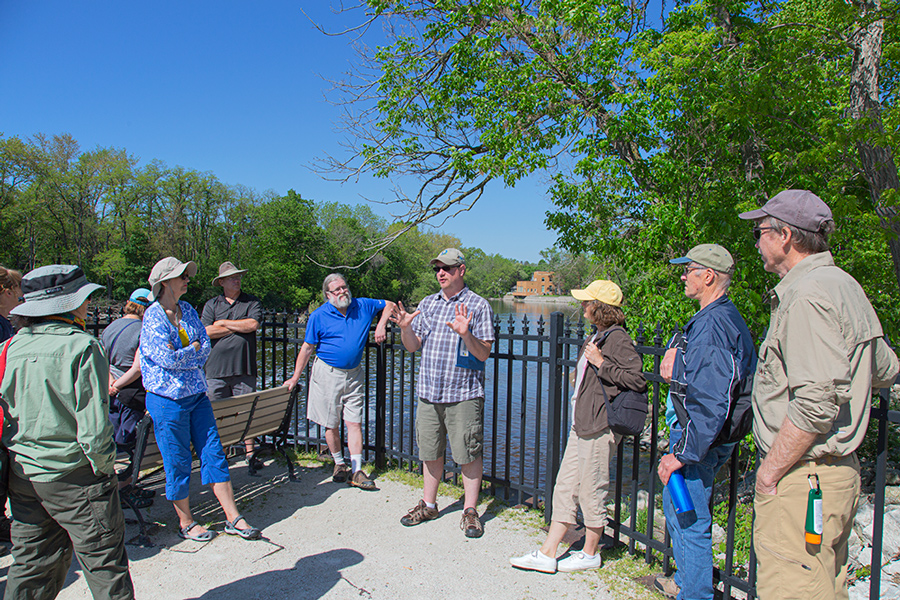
(170, 368)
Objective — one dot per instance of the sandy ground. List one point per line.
(327, 540)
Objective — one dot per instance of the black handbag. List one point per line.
(626, 412)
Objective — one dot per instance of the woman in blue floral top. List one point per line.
(174, 346)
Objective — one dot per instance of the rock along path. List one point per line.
(327, 540)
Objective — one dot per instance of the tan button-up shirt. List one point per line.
(823, 354)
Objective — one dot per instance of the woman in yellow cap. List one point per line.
(608, 361)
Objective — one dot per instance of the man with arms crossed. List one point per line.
(231, 321)
(454, 328)
(337, 332)
(710, 365)
(822, 356)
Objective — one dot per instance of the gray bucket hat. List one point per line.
(168, 268)
(227, 269)
(54, 290)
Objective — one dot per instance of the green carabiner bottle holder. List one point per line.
(814, 512)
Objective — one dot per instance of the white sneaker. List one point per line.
(534, 561)
(580, 562)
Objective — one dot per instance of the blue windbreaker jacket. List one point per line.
(711, 364)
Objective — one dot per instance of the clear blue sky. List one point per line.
(233, 88)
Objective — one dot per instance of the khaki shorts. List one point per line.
(333, 392)
(583, 478)
(462, 422)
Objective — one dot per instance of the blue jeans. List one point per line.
(692, 532)
(177, 423)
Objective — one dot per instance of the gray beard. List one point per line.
(341, 302)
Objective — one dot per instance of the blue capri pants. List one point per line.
(177, 423)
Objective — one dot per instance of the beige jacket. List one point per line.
(823, 354)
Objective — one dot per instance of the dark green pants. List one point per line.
(79, 513)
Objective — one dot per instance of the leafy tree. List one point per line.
(285, 235)
(672, 129)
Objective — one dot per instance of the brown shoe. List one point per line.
(361, 480)
(667, 586)
(419, 513)
(471, 524)
(341, 473)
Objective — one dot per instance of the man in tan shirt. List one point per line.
(823, 354)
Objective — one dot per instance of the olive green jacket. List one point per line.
(56, 399)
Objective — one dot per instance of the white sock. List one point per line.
(338, 458)
(356, 462)
(430, 504)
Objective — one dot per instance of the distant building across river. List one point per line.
(542, 284)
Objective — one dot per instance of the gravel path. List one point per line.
(327, 540)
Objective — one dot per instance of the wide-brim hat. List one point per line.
(603, 290)
(168, 268)
(227, 269)
(54, 290)
(711, 256)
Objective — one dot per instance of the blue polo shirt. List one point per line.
(340, 339)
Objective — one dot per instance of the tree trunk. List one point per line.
(877, 162)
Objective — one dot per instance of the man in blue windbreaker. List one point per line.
(709, 364)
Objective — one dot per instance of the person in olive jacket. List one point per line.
(607, 361)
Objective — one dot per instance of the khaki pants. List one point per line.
(79, 513)
(583, 478)
(788, 567)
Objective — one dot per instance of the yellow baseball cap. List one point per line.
(603, 290)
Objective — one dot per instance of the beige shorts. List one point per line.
(333, 392)
(462, 422)
(583, 478)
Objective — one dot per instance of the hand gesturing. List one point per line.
(460, 323)
(401, 317)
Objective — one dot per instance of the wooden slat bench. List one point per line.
(261, 414)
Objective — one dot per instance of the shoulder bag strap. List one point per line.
(112, 344)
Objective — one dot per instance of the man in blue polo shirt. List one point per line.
(337, 332)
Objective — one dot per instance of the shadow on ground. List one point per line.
(311, 577)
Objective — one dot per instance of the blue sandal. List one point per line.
(206, 536)
(251, 533)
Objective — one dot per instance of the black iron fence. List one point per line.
(526, 424)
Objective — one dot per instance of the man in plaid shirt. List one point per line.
(454, 328)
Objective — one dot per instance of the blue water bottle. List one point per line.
(679, 493)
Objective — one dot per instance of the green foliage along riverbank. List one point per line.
(102, 210)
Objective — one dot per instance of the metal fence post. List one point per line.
(380, 404)
(554, 410)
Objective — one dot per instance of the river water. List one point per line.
(515, 416)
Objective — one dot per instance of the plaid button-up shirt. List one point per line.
(440, 380)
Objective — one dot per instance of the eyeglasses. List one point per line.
(339, 289)
(758, 231)
(448, 270)
(185, 277)
(687, 270)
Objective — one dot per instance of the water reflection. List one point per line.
(535, 310)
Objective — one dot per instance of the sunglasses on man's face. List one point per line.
(758, 231)
(448, 270)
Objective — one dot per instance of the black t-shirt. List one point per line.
(234, 354)
(6, 329)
